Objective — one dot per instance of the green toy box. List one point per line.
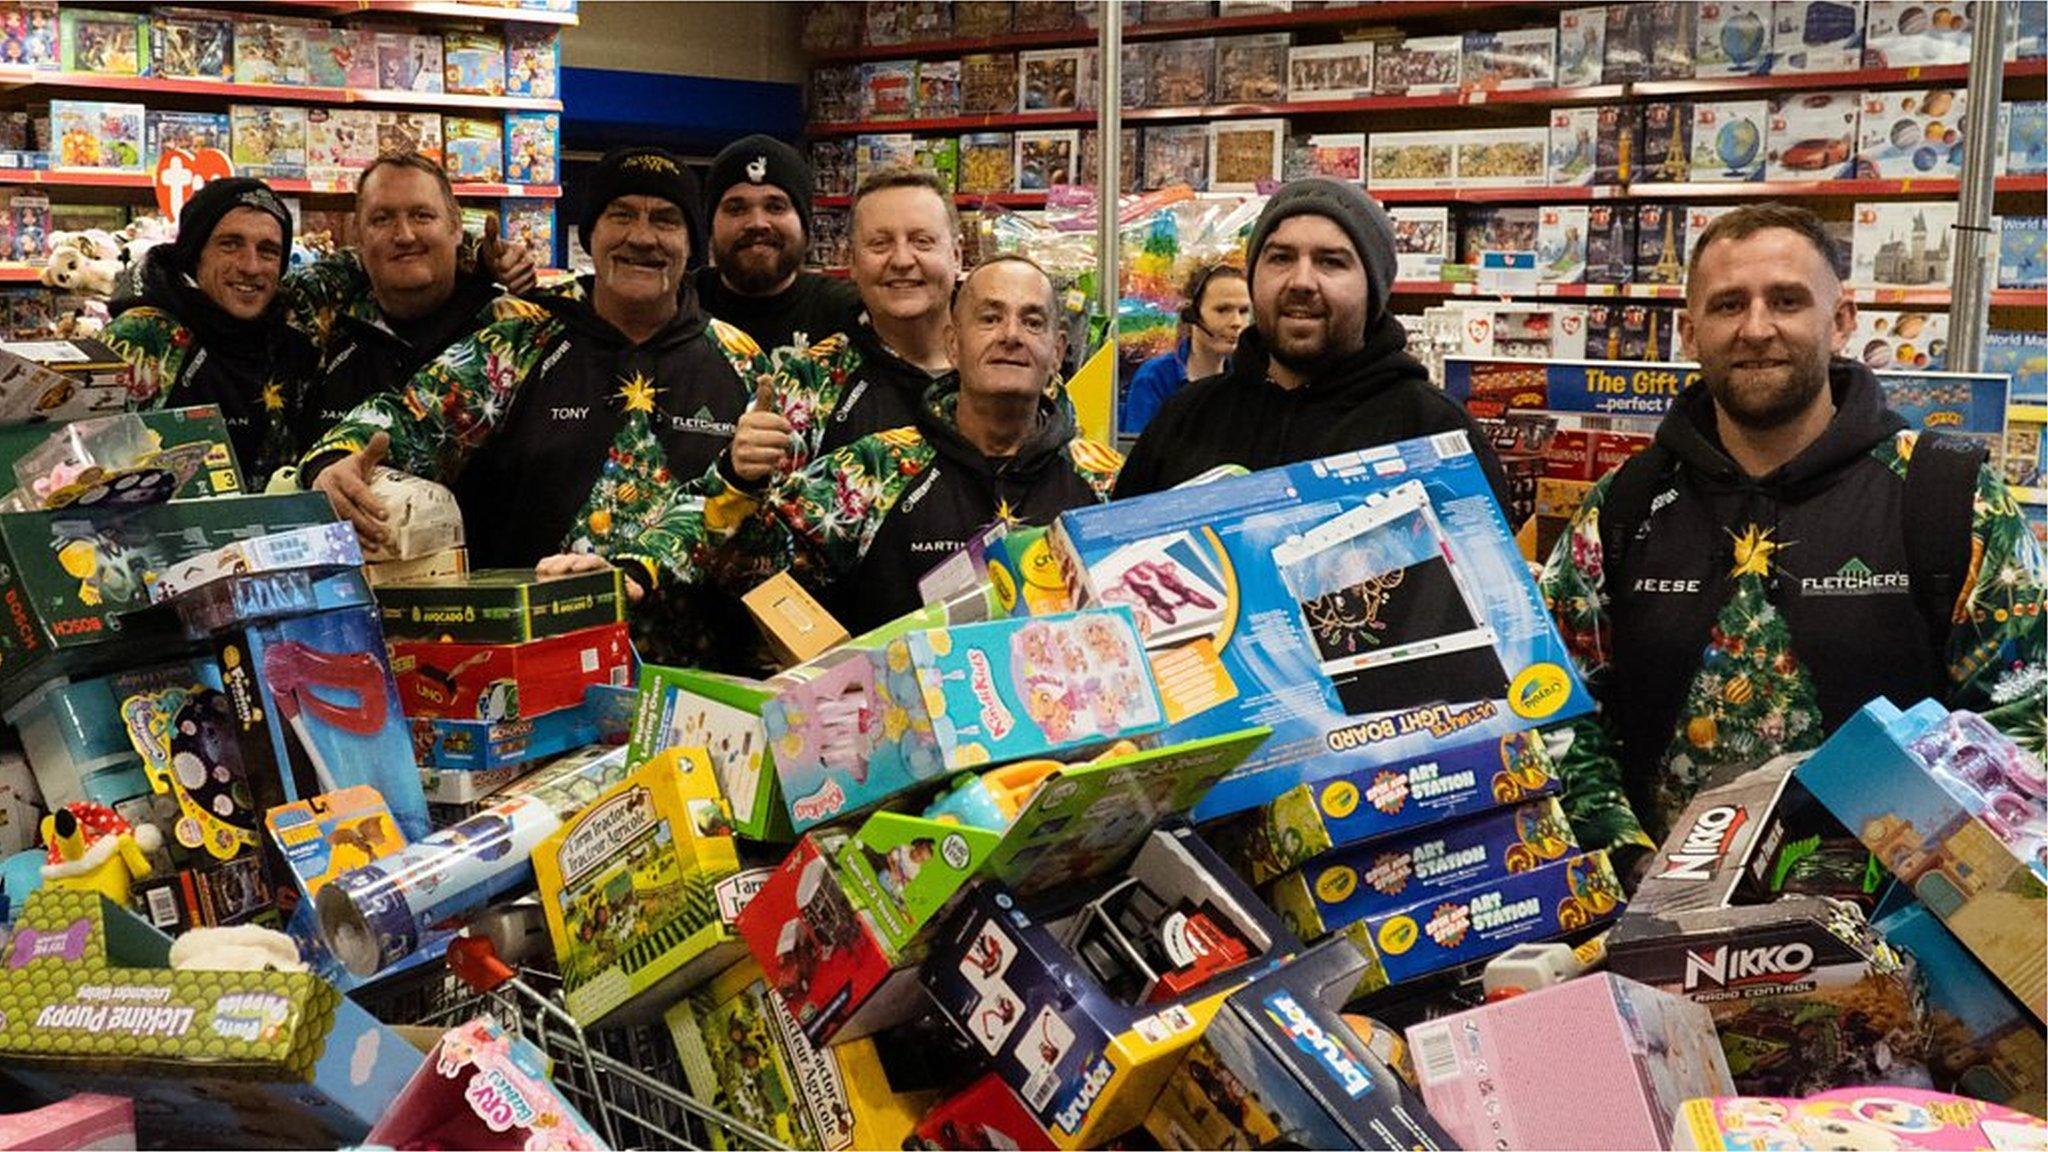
(174, 428)
(722, 715)
(501, 606)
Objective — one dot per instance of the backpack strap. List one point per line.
(1627, 505)
(1938, 509)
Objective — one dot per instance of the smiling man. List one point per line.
(1324, 368)
(1785, 552)
(566, 426)
(758, 197)
(204, 325)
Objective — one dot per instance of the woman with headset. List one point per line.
(1219, 308)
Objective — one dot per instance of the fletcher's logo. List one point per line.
(1854, 578)
(1705, 843)
(995, 718)
(1770, 964)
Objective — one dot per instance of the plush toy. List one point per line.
(92, 849)
(75, 269)
(241, 948)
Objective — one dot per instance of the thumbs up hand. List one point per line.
(347, 484)
(511, 265)
(761, 442)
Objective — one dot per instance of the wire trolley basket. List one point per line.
(626, 1081)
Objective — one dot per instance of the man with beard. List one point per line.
(565, 426)
(759, 201)
(204, 326)
(1324, 368)
(1785, 552)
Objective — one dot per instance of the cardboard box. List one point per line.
(985, 1114)
(1911, 134)
(1886, 340)
(1411, 160)
(1513, 1074)
(1422, 245)
(1903, 244)
(1971, 848)
(1524, 331)
(60, 380)
(1574, 142)
(1984, 1043)
(481, 745)
(1561, 243)
(1417, 66)
(1796, 984)
(487, 1089)
(503, 606)
(497, 682)
(1660, 243)
(438, 566)
(1610, 249)
(322, 547)
(1500, 157)
(1278, 626)
(173, 429)
(936, 700)
(796, 626)
(1086, 1062)
(1581, 46)
(722, 715)
(1509, 61)
(1812, 136)
(627, 885)
(1732, 38)
(1882, 1117)
(1728, 139)
(1618, 143)
(88, 1003)
(1910, 35)
(1278, 1067)
(1022, 570)
(1667, 142)
(1816, 35)
(1626, 42)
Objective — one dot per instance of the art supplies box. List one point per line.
(498, 682)
(502, 606)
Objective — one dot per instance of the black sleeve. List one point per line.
(1140, 473)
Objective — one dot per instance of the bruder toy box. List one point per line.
(89, 1003)
(1369, 607)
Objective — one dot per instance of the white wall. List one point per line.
(728, 40)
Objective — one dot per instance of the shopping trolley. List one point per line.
(627, 1081)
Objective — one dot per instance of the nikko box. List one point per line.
(1350, 884)
(935, 700)
(1369, 607)
(722, 715)
(508, 681)
(504, 606)
(1075, 1014)
(1955, 810)
(629, 887)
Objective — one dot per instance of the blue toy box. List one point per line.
(936, 700)
(1368, 607)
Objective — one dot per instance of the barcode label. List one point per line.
(163, 908)
(1436, 1054)
(1038, 1089)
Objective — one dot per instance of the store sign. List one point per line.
(180, 172)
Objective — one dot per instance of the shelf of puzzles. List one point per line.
(102, 106)
(1545, 167)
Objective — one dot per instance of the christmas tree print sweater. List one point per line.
(1751, 616)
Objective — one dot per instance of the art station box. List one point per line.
(502, 606)
(1370, 607)
(508, 681)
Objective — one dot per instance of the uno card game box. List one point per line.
(508, 681)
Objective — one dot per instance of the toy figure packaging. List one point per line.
(416, 132)
(103, 43)
(1509, 61)
(273, 50)
(28, 33)
(988, 84)
(1176, 154)
(191, 44)
(987, 162)
(1913, 133)
(1812, 136)
(1816, 35)
(1251, 69)
(1511, 1074)
(1907, 244)
(1574, 141)
(473, 62)
(1732, 38)
(97, 134)
(1863, 1117)
(1330, 71)
(341, 57)
(475, 149)
(532, 61)
(268, 140)
(340, 142)
(1728, 139)
(1417, 66)
(1581, 46)
(191, 131)
(1897, 35)
(938, 89)
(1244, 154)
(532, 222)
(1045, 157)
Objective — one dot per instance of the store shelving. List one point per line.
(987, 123)
(452, 11)
(1937, 187)
(282, 184)
(1944, 74)
(1862, 294)
(219, 89)
(963, 199)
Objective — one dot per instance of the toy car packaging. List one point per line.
(1805, 994)
(1279, 1068)
(1959, 813)
(1875, 1117)
(1369, 607)
(1088, 1015)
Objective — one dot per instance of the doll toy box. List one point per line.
(1279, 1068)
(1370, 607)
(629, 887)
(1907, 1119)
(1597, 1062)
(1086, 1016)
(722, 715)
(946, 698)
(89, 1003)
(508, 681)
(1958, 813)
(1800, 986)
(485, 1088)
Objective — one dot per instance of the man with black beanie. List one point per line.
(200, 322)
(759, 204)
(571, 422)
(1324, 368)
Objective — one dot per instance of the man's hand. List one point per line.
(347, 485)
(761, 441)
(567, 563)
(510, 265)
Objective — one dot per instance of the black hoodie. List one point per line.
(367, 353)
(814, 304)
(884, 391)
(1838, 576)
(1377, 395)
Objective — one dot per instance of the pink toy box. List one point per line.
(1878, 1117)
(87, 1122)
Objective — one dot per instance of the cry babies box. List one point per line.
(1368, 607)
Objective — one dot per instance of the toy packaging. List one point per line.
(273, 50)
(326, 548)
(1561, 243)
(1667, 142)
(1509, 61)
(340, 142)
(1176, 155)
(97, 134)
(1045, 157)
(323, 836)
(1610, 244)
(508, 681)
(874, 152)
(191, 131)
(1873, 1117)
(939, 156)
(1660, 244)
(104, 43)
(269, 140)
(1574, 140)
(191, 44)
(1183, 73)
(1049, 80)
(1500, 157)
(976, 18)
(1502, 229)
(1906, 35)
(1251, 69)
(1410, 160)
(938, 89)
(888, 90)
(28, 33)
(1812, 136)
(1673, 25)
(1918, 132)
(1330, 71)
(1728, 139)
(1581, 47)
(2026, 137)
(1337, 156)
(988, 84)
(87, 1121)
(418, 132)
(2023, 252)
(1087, 1018)
(506, 606)
(985, 1114)
(1422, 241)
(1987, 1045)
(1732, 38)
(1630, 29)
(836, 94)
(475, 149)
(1417, 66)
(341, 57)
(832, 167)
(481, 745)
(721, 715)
(1903, 243)
(1891, 340)
(1954, 809)
(473, 62)
(483, 1087)
(1244, 154)
(1512, 1074)
(1279, 1068)
(1129, 158)
(628, 888)
(532, 61)
(1816, 35)
(1617, 144)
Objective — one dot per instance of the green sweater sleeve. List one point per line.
(1996, 643)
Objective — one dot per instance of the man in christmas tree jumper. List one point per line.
(565, 426)
(758, 196)
(1774, 560)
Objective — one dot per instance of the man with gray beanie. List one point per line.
(758, 199)
(1324, 368)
